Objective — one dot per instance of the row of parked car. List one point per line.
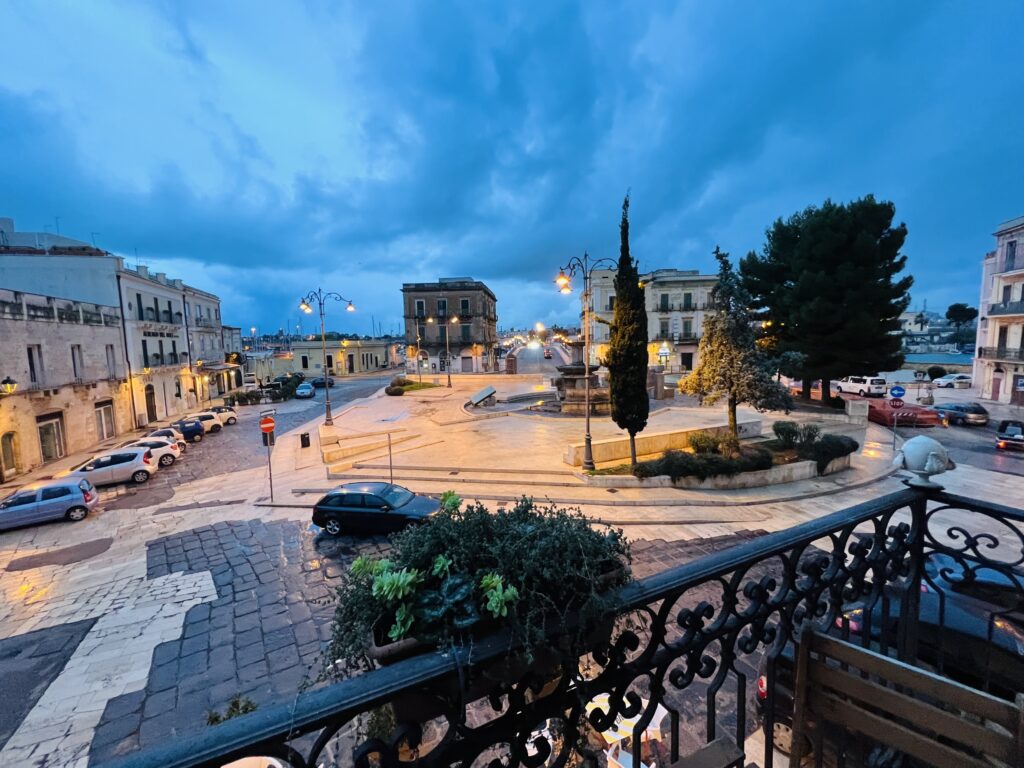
(71, 494)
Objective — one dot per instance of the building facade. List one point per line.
(999, 356)
(451, 323)
(64, 362)
(344, 356)
(119, 324)
(676, 302)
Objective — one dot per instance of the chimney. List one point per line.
(142, 270)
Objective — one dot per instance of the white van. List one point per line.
(249, 382)
(865, 386)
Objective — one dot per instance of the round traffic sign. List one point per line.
(267, 424)
(897, 391)
(896, 403)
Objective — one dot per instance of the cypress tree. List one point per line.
(627, 347)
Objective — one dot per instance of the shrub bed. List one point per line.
(394, 391)
(677, 464)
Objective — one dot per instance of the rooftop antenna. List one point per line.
(93, 236)
(57, 220)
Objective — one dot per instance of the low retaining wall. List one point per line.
(612, 448)
(784, 473)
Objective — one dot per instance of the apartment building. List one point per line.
(676, 302)
(999, 360)
(450, 323)
(63, 381)
(60, 292)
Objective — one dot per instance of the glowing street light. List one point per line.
(306, 305)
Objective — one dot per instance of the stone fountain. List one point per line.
(571, 387)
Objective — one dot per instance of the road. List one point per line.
(532, 360)
(973, 446)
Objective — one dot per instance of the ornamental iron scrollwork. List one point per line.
(691, 640)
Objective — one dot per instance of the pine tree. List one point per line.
(731, 365)
(826, 285)
(627, 347)
(960, 315)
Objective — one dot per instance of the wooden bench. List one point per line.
(843, 687)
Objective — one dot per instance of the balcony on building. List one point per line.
(698, 657)
(1001, 353)
(1006, 308)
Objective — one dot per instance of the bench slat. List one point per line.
(853, 718)
(961, 696)
(922, 714)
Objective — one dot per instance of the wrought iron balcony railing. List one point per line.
(1000, 353)
(691, 639)
(1007, 308)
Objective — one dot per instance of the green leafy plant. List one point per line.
(467, 569)
(703, 442)
(787, 432)
(936, 372)
(394, 391)
(729, 445)
(238, 705)
(679, 464)
(828, 448)
(809, 434)
(450, 500)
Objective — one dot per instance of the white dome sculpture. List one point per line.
(923, 457)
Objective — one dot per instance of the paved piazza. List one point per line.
(128, 628)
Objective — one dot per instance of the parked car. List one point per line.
(227, 413)
(120, 465)
(547, 353)
(371, 508)
(962, 413)
(318, 382)
(972, 629)
(192, 429)
(951, 380)
(211, 421)
(56, 499)
(1010, 435)
(305, 389)
(865, 386)
(165, 451)
(168, 432)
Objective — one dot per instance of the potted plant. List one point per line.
(545, 575)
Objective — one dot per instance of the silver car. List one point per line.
(59, 499)
(121, 465)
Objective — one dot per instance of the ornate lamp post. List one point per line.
(447, 348)
(306, 305)
(7, 386)
(585, 267)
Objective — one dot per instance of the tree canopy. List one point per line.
(960, 315)
(627, 347)
(827, 285)
(730, 363)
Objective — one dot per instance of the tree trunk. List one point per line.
(826, 391)
(805, 389)
(632, 448)
(733, 426)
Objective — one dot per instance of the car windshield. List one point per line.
(396, 496)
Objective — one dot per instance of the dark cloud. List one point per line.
(358, 146)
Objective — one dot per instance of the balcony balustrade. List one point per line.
(1000, 353)
(1007, 308)
(691, 639)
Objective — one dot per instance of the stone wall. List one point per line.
(647, 443)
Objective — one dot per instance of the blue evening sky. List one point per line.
(260, 149)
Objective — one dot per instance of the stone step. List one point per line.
(356, 446)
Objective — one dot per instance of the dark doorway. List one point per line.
(150, 404)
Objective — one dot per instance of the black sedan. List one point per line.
(1010, 435)
(371, 508)
(319, 382)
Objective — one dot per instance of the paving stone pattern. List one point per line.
(260, 638)
(263, 634)
(28, 664)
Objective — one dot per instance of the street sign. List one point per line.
(896, 403)
(267, 424)
(897, 391)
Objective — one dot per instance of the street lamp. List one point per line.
(564, 282)
(305, 304)
(252, 335)
(8, 385)
(447, 349)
